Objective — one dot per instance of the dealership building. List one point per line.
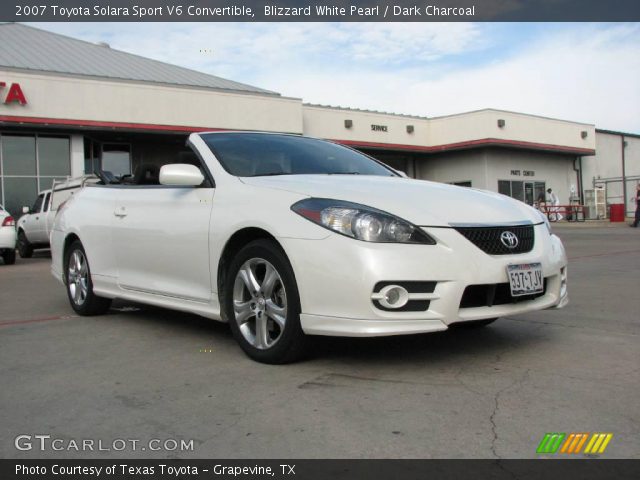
(69, 107)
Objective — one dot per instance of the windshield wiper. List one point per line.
(343, 173)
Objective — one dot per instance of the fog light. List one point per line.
(394, 296)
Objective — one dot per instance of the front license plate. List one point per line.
(525, 279)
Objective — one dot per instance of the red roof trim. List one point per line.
(484, 142)
(101, 124)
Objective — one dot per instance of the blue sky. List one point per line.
(582, 72)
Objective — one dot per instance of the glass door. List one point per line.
(529, 193)
(539, 191)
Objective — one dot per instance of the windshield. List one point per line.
(259, 154)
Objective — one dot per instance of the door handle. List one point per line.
(120, 212)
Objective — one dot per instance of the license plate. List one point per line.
(525, 279)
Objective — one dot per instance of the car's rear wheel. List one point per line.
(9, 256)
(25, 249)
(79, 284)
(262, 304)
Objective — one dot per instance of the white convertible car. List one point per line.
(285, 236)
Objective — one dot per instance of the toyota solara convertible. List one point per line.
(285, 237)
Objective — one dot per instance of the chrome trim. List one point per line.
(523, 223)
(412, 296)
(518, 223)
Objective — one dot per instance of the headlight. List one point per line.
(545, 220)
(360, 222)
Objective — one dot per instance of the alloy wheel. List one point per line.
(78, 277)
(259, 303)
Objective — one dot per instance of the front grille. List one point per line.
(488, 238)
(494, 294)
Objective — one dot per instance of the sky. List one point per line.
(575, 71)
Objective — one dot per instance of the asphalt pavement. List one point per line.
(144, 373)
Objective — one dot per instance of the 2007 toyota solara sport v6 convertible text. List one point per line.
(286, 236)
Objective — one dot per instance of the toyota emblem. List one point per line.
(509, 239)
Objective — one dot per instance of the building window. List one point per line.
(18, 192)
(462, 184)
(518, 191)
(29, 164)
(504, 187)
(539, 191)
(19, 155)
(527, 192)
(116, 158)
(53, 156)
(91, 156)
(54, 160)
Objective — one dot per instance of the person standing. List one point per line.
(555, 201)
(637, 218)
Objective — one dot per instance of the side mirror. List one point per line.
(26, 210)
(402, 174)
(181, 174)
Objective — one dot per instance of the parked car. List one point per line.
(7, 237)
(286, 236)
(34, 226)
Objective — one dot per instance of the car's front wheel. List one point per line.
(262, 304)
(79, 284)
(25, 249)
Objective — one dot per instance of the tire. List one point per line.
(79, 285)
(264, 320)
(25, 249)
(9, 256)
(475, 323)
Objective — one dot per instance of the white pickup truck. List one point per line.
(35, 225)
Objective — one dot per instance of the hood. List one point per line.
(420, 202)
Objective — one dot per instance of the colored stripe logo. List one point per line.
(598, 443)
(550, 442)
(573, 443)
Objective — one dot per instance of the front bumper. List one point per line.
(7, 237)
(336, 277)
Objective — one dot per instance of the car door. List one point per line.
(45, 220)
(161, 240)
(32, 223)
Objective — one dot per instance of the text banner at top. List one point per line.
(320, 11)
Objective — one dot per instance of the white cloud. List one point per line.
(579, 72)
(262, 43)
(588, 74)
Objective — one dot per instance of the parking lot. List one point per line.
(147, 373)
